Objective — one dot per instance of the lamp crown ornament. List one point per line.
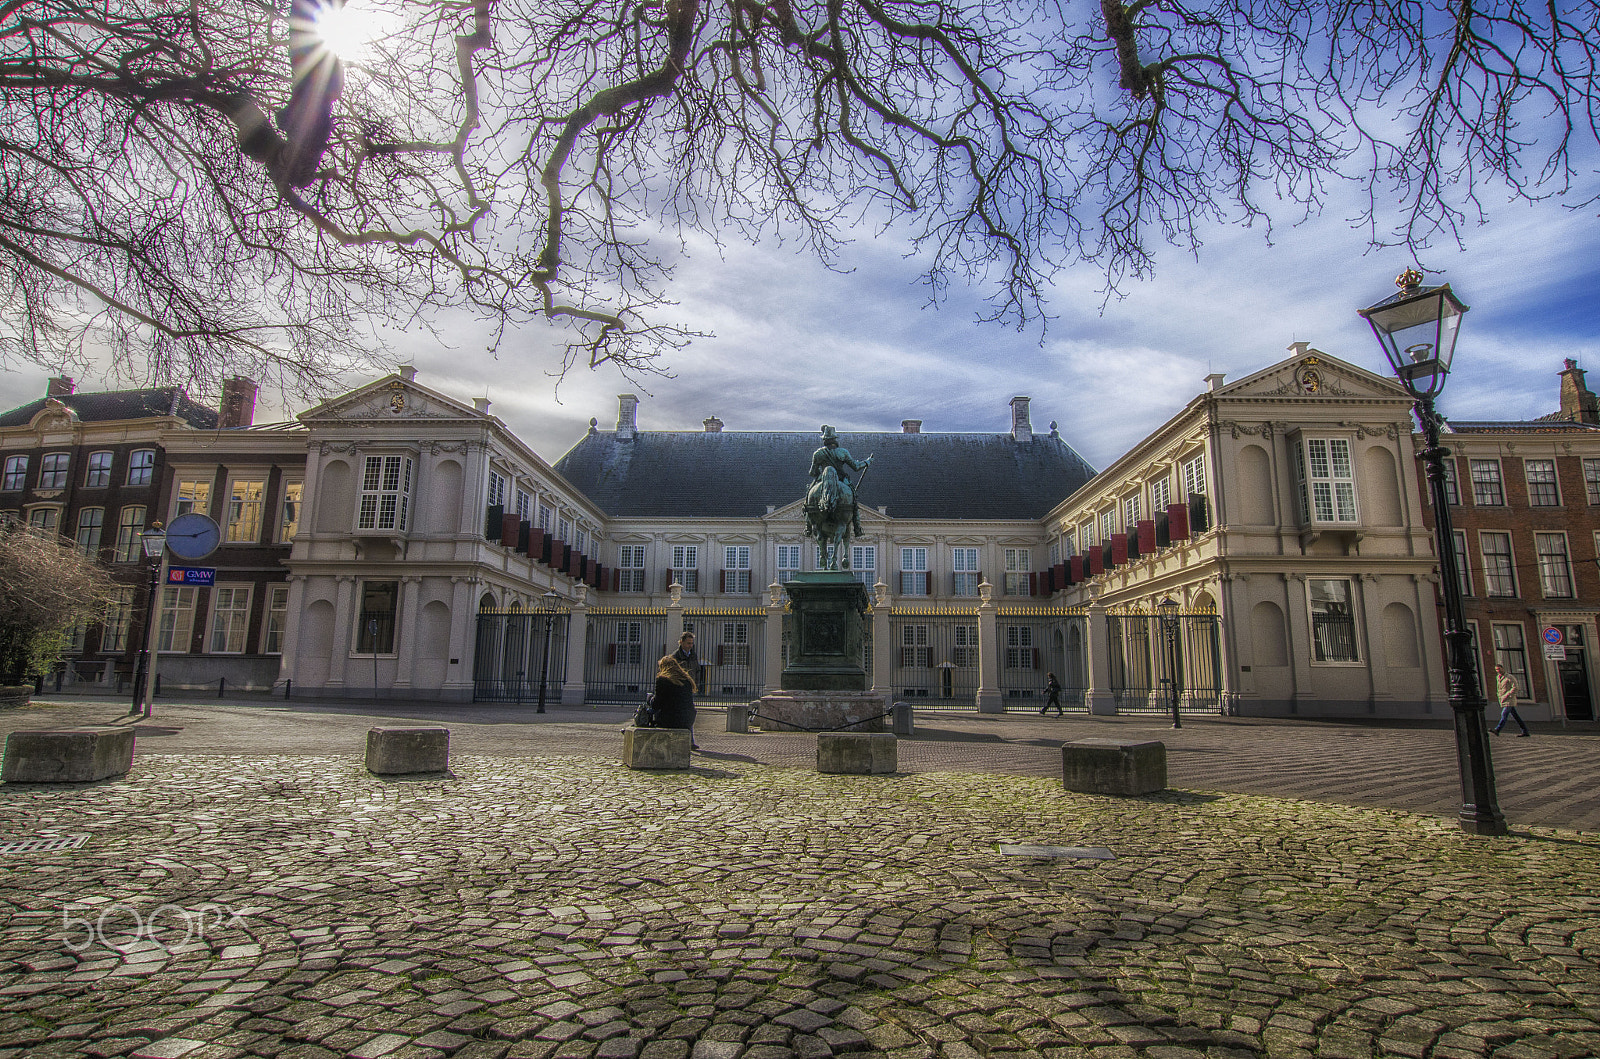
(1409, 280)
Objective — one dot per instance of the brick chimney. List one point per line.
(238, 408)
(59, 386)
(1578, 402)
(713, 425)
(910, 426)
(1021, 426)
(627, 416)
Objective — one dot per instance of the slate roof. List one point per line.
(737, 474)
(121, 404)
(1542, 425)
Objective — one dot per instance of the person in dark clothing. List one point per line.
(690, 658)
(1053, 687)
(674, 697)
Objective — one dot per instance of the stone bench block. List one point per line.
(1114, 766)
(656, 748)
(738, 718)
(68, 755)
(902, 720)
(403, 751)
(857, 753)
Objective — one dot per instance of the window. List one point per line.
(176, 628)
(524, 504)
(788, 562)
(914, 647)
(1486, 488)
(627, 648)
(1088, 537)
(1327, 481)
(244, 511)
(1108, 524)
(385, 494)
(630, 568)
(864, 563)
(563, 529)
(75, 637)
(1333, 626)
(1542, 488)
(1069, 544)
(544, 518)
(277, 620)
(130, 523)
(1499, 575)
(914, 571)
(1020, 653)
(375, 633)
(497, 489)
(582, 543)
(16, 476)
(1019, 563)
(53, 470)
(97, 472)
(230, 616)
(1130, 513)
(192, 494)
(1160, 495)
(289, 517)
(1055, 552)
(1555, 568)
(964, 655)
(686, 566)
(119, 613)
(44, 518)
(1194, 473)
(91, 520)
(1510, 652)
(1452, 488)
(736, 568)
(1463, 568)
(734, 650)
(1591, 480)
(141, 466)
(964, 561)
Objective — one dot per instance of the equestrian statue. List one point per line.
(831, 510)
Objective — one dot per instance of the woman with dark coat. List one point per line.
(674, 697)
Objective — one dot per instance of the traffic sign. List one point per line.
(1552, 635)
(191, 575)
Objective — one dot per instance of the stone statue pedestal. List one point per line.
(825, 684)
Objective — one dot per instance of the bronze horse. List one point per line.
(828, 510)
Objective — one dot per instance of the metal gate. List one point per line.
(934, 655)
(732, 645)
(518, 653)
(1033, 642)
(1148, 656)
(619, 657)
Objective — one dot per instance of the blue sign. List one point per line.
(191, 575)
(1552, 635)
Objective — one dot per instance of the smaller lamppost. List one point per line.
(154, 542)
(1167, 614)
(547, 607)
(1417, 329)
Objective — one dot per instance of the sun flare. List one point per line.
(346, 29)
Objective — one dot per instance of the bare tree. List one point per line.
(46, 585)
(210, 184)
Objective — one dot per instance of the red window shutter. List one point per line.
(611, 654)
(616, 580)
(1147, 536)
(1076, 570)
(722, 586)
(510, 530)
(927, 583)
(1097, 561)
(1061, 576)
(1119, 549)
(980, 577)
(1178, 522)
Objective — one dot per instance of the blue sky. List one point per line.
(797, 345)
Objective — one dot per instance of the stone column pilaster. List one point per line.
(1100, 699)
(772, 634)
(989, 699)
(882, 649)
(575, 688)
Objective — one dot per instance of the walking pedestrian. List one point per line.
(690, 658)
(674, 697)
(1053, 687)
(1507, 690)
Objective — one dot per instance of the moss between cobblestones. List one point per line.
(876, 911)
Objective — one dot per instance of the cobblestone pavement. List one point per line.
(556, 905)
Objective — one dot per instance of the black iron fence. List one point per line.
(519, 652)
(1150, 656)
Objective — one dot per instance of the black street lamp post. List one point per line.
(1418, 328)
(154, 542)
(547, 607)
(1167, 615)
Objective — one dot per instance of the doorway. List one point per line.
(1574, 674)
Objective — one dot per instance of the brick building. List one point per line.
(1524, 503)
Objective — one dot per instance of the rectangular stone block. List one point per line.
(1114, 766)
(68, 755)
(903, 722)
(738, 718)
(656, 748)
(403, 751)
(857, 753)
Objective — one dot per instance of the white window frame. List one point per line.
(736, 569)
(90, 530)
(1494, 577)
(16, 474)
(141, 467)
(1020, 647)
(734, 650)
(964, 647)
(290, 507)
(191, 494)
(686, 566)
(97, 469)
(1326, 467)
(864, 563)
(1194, 475)
(1591, 479)
(1160, 495)
(242, 521)
(915, 652)
(1318, 646)
(790, 559)
(544, 517)
(627, 642)
(58, 465)
(1463, 565)
(1130, 512)
(46, 517)
(384, 504)
(176, 622)
(497, 490)
(1108, 524)
(1544, 465)
(275, 619)
(230, 619)
(129, 547)
(363, 647)
(524, 505)
(117, 622)
(966, 573)
(564, 530)
(630, 568)
(1512, 654)
(1019, 564)
(1069, 543)
(1555, 569)
(913, 570)
(1492, 476)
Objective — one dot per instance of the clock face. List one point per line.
(193, 536)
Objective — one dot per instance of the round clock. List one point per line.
(193, 536)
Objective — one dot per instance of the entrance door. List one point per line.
(1574, 671)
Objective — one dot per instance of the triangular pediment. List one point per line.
(389, 399)
(1313, 375)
